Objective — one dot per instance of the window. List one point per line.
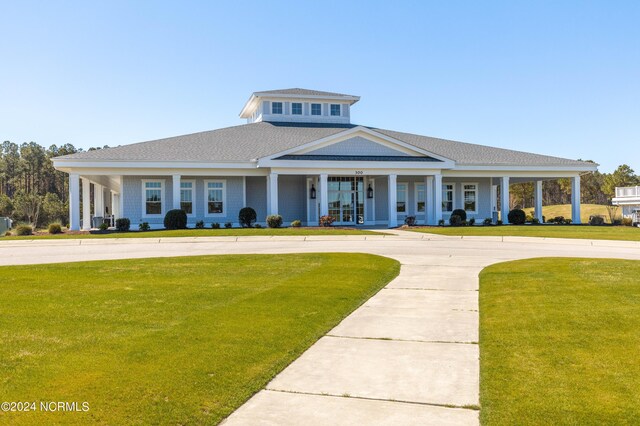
(276, 107)
(447, 198)
(470, 194)
(186, 197)
(421, 198)
(296, 108)
(153, 194)
(335, 109)
(316, 109)
(215, 196)
(402, 198)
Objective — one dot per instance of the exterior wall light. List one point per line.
(370, 192)
(312, 192)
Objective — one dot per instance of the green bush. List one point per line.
(455, 220)
(627, 221)
(441, 222)
(274, 221)
(535, 221)
(228, 225)
(461, 213)
(200, 224)
(7, 234)
(596, 221)
(144, 226)
(517, 217)
(55, 228)
(247, 217)
(296, 223)
(499, 223)
(257, 226)
(175, 219)
(472, 221)
(410, 220)
(326, 220)
(103, 226)
(123, 224)
(488, 221)
(24, 230)
(215, 225)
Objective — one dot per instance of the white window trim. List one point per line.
(406, 201)
(339, 110)
(277, 102)
(163, 200)
(415, 198)
(453, 196)
(193, 196)
(311, 114)
(301, 108)
(477, 191)
(206, 198)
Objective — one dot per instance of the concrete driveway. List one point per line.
(408, 356)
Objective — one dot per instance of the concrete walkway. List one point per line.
(408, 356)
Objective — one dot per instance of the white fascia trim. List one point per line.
(350, 166)
(254, 100)
(387, 169)
(625, 201)
(339, 137)
(153, 164)
(560, 168)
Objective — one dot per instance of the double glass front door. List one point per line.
(346, 199)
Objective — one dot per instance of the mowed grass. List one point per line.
(182, 340)
(235, 232)
(559, 342)
(586, 211)
(623, 233)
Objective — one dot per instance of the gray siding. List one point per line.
(484, 196)
(381, 196)
(292, 198)
(356, 146)
(257, 196)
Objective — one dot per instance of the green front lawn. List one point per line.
(559, 342)
(626, 233)
(182, 340)
(235, 232)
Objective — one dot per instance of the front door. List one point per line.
(346, 199)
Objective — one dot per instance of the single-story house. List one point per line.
(628, 197)
(300, 156)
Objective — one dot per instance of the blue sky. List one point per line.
(558, 78)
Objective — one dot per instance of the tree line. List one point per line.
(32, 191)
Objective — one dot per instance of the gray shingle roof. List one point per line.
(252, 141)
(302, 92)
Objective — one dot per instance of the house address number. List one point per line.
(359, 172)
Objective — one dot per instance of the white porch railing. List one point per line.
(628, 191)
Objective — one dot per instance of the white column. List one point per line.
(504, 199)
(86, 204)
(538, 200)
(272, 201)
(74, 202)
(393, 201)
(429, 211)
(121, 198)
(323, 191)
(437, 198)
(98, 200)
(176, 191)
(494, 198)
(575, 200)
(116, 206)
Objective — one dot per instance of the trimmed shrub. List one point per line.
(461, 213)
(296, 223)
(517, 217)
(24, 230)
(596, 221)
(274, 221)
(175, 219)
(55, 228)
(472, 221)
(567, 222)
(103, 226)
(200, 224)
(455, 220)
(441, 222)
(215, 225)
(123, 224)
(326, 220)
(535, 221)
(257, 226)
(247, 217)
(528, 219)
(499, 223)
(228, 225)
(144, 226)
(627, 221)
(410, 220)
(488, 221)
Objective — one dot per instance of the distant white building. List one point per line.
(628, 197)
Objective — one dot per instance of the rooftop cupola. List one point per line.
(298, 106)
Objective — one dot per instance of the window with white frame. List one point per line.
(153, 194)
(186, 196)
(447, 197)
(215, 195)
(335, 109)
(421, 198)
(316, 109)
(276, 107)
(401, 200)
(470, 197)
(296, 108)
